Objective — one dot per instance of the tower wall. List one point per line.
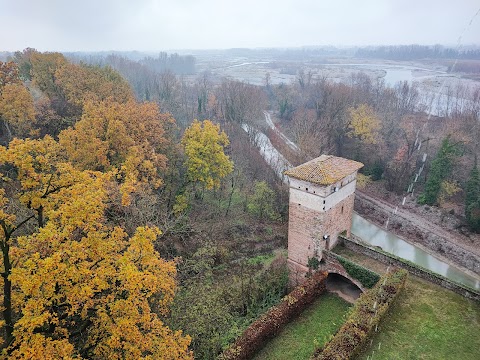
(315, 211)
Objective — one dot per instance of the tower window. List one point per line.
(306, 189)
(342, 209)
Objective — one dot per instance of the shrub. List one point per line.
(367, 277)
(268, 325)
(364, 318)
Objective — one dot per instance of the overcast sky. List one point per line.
(65, 25)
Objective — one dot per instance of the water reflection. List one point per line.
(376, 236)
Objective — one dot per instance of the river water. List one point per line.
(374, 235)
(368, 232)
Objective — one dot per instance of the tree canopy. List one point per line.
(206, 161)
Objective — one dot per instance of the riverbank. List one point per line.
(455, 249)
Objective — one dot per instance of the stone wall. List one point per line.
(417, 271)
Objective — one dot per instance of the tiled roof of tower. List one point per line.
(324, 170)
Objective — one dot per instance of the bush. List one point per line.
(367, 277)
(268, 325)
(364, 318)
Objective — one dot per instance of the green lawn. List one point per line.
(313, 327)
(427, 322)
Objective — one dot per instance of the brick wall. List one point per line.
(306, 228)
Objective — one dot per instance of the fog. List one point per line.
(152, 25)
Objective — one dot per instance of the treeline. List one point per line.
(179, 65)
(388, 130)
(96, 185)
(416, 52)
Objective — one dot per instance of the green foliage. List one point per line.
(472, 200)
(215, 308)
(262, 203)
(375, 171)
(313, 263)
(269, 324)
(428, 322)
(311, 329)
(365, 317)
(439, 171)
(367, 277)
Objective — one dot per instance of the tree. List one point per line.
(364, 124)
(128, 138)
(82, 83)
(472, 200)
(8, 73)
(16, 110)
(76, 287)
(206, 161)
(439, 171)
(262, 203)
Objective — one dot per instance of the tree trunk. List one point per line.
(7, 291)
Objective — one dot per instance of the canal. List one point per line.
(374, 235)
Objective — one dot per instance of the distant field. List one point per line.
(427, 322)
(314, 326)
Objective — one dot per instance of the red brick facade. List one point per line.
(317, 215)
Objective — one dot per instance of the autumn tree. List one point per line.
(364, 124)
(206, 161)
(17, 113)
(126, 137)
(43, 68)
(82, 83)
(76, 287)
(16, 110)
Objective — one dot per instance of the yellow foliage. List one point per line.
(447, 189)
(363, 181)
(364, 124)
(79, 287)
(81, 83)
(16, 108)
(128, 138)
(206, 161)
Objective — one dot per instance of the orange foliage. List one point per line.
(126, 138)
(81, 289)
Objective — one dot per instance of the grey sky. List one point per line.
(195, 24)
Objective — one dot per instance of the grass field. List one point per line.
(427, 322)
(312, 328)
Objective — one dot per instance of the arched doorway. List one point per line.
(343, 287)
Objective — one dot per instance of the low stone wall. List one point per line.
(411, 268)
(402, 227)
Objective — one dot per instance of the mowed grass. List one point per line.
(426, 322)
(314, 327)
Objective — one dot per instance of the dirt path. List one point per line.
(421, 223)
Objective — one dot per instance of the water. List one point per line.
(374, 235)
(364, 229)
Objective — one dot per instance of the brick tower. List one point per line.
(322, 192)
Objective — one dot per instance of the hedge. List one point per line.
(270, 324)
(364, 318)
(408, 263)
(367, 277)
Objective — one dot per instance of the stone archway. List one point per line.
(343, 287)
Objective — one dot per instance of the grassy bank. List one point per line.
(427, 322)
(313, 327)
